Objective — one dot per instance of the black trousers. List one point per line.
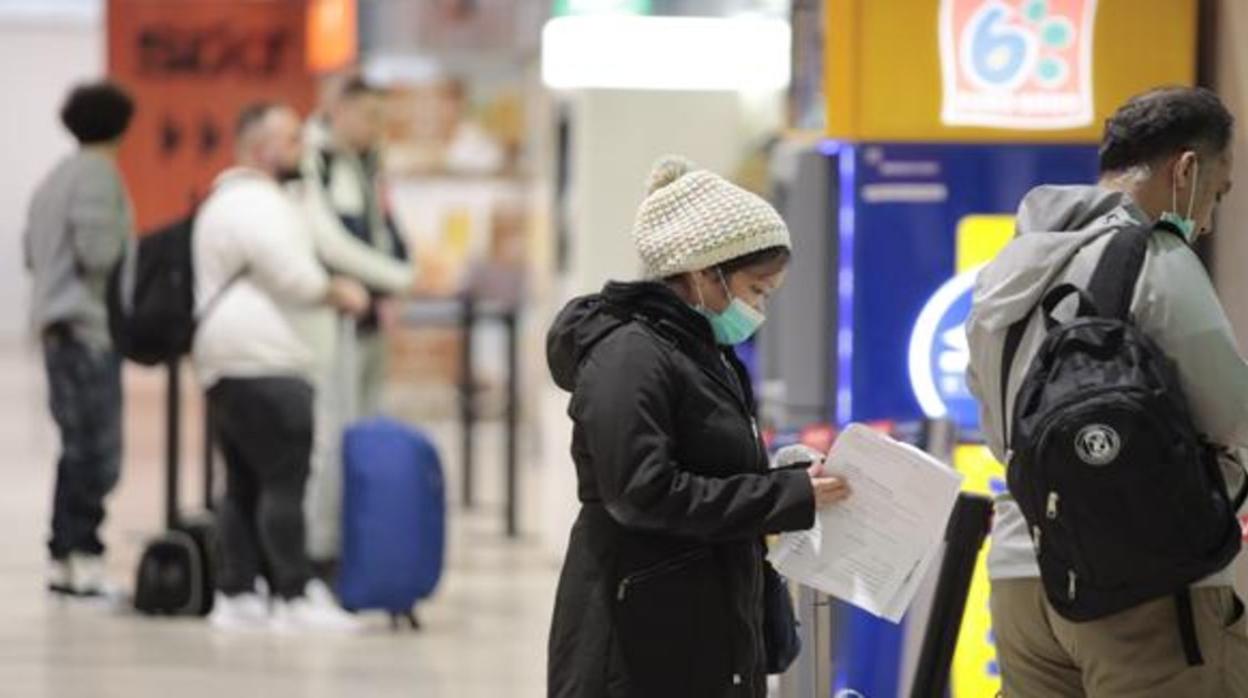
(264, 427)
(84, 394)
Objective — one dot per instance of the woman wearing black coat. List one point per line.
(662, 589)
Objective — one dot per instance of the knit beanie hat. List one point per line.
(693, 219)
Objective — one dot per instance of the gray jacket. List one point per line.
(79, 222)
(1061, 236)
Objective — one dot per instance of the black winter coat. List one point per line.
(661, 590)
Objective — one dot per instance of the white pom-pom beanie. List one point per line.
(694, 219)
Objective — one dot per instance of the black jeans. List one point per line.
(84, 393)
(264, 428)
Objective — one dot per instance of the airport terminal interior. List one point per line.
(453, 174)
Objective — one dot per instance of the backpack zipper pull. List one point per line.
(1035, 538)
(1051, 511)
(1073, 589)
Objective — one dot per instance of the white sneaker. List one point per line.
(88, 578)
(248, 611)
(59, 579)
(316, 611)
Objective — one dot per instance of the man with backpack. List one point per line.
(252, 258)
(79, 220)
(1111, 384)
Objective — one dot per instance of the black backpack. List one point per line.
(176, 574)
(151, 296)
(1124, 500)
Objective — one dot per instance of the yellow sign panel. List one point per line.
(980, 238)
(996, 70)
(975, 671)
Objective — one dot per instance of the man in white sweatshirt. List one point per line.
(1166, 154)
(257, 369)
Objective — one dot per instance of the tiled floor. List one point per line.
(484, 631)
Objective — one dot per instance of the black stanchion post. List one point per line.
(467, 407)
(968, 527)
(210, 457)
(510, 320)
(173, 438)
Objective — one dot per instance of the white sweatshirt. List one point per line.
(249, 224)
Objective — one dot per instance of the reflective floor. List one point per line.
(484, 631)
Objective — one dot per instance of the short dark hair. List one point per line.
(251, 115)
(764, 257)
(358, 86)
(97, 112)
(1164, 122)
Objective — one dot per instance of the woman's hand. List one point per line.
(828, 490)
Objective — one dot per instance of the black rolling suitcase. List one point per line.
(176, 574)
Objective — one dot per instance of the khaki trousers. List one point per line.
(1137, 653)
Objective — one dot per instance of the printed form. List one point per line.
(873, 549)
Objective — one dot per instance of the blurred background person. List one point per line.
(316, 130)
(343, 251)
(346, 196)
(79, 220)
(257, 370)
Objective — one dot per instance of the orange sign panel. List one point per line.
(191, 66)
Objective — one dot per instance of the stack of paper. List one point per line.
(874, 548)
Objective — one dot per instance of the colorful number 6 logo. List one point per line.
(995, 54)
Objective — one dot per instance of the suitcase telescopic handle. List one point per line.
(968, 527)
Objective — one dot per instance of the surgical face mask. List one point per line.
(287, 175)
(1185, 223)
(737, 323)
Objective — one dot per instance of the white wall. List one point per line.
(1231, 240)
(40, 57)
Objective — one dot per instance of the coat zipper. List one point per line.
(658, 570)
(739, 399)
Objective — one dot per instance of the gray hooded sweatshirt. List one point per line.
(1061, 237)
(80, 219)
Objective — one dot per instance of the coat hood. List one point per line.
(1016, 281)
(587, 320)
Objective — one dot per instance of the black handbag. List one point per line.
(780, 636)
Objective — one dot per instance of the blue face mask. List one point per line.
(737, 323)
(1184, 223)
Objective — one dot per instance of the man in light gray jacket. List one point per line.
(345, 201)
(79, 220)
(1165, 156)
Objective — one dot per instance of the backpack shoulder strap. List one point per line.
(1113, 283)
(1111, 290)
(215, 300)
(1013, 339)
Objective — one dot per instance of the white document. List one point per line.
(874, 548)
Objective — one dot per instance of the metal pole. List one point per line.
(210, 454)
(173, 437)
(468, 321)
(511, 322)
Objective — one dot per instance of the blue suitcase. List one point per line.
(393, 518)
